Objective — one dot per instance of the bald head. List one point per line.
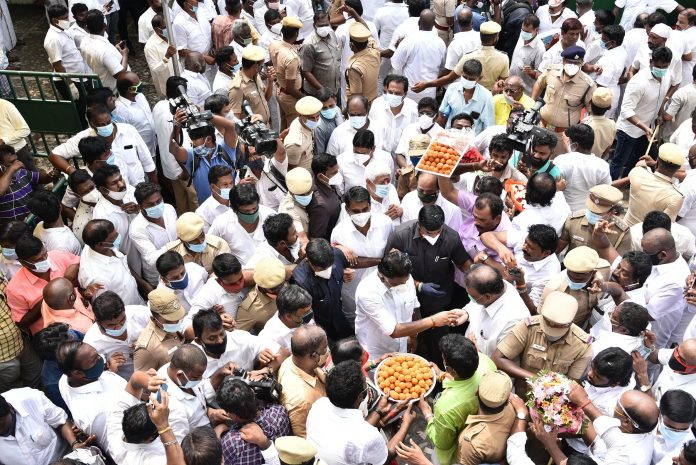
(308, 340)
(514, 81)
(642, 409)
(465, 19)
(427, 182)
(427, 20)
(58, 294)
(194, 62)
(656, 241)
(687, 351)
(484, 283)
(187, 357)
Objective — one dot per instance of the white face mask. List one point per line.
(362, 158)
(393, 100)
(360, 219)
(92, 196)
(275, 29)
(295, 249)
(571, 69)
(326, 274)
(467, 84)
(401, 289)
(431, 240)
(425, 122)
(323, 31)
(363, 407)
(118, 195)
(64, 24)
(357, 122)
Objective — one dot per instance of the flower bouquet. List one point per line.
(548, 401)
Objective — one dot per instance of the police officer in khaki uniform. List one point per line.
(604, 128)
(444, 18)
(299, 143)
(568, 90)
(484, 436)
(194, 244)
(656, 191)
(299, 182)
(286, 62)
(548, 341)
(583, 266)
(294, 450)
(247, 85)
(602, 204)
(163, 333)
(260, 304)
(362, 72)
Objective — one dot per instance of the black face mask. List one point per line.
(676, 365)
(217, 349)
(427, 198)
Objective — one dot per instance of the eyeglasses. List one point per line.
(625, 413)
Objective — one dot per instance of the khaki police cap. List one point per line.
(602, 198)
(294, 450)
(494, 388)
(672, 153)
(489, 28)
(189, 226)
(299, 181)
(292, 21)
(557, 313)
(269, 273)
(308, 106)
(165, 303)
(581, 259)
(418, 145)
(359, 33)
(602, 97)
(253, 53)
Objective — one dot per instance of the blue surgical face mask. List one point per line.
(105, 131)
(180, 284)
(592, 217)
(382, 190)
(311, 124)
(575, 286)
(225, 193)
(155, 212)
(357, 122)
(117, 243)
(671, 436)
(194, 9)
(602, 44)
(165, 33)
(526, 35)
(9, 254)
(304, 199)
(235, 68)
(197, 248)
(112, 159)
(96, 371)
(202, 150)
(115, 332)
(329, 113)
(172, 328)
(189, 384)
(659, 72)
(42, 266)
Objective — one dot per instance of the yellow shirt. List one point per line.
(300, 391)
(502, 108)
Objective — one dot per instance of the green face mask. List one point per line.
(248, 218)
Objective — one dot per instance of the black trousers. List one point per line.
(134, 8)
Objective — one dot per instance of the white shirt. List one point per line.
(546, 23)
(688, 209)
(420, 57)
(193, 34)
(381, 207)
(343, 36)
(463, 42)
(341, 138)
(587, 20)
(268, 187)
(326, 431)
(581, 172)
(163, 128)
(391, 125)
(161, 67)
(643, 97)
(664, 451)
(378, 310)
(489, 325)
(198, 87)
(276, 331)
(138, 115)
(61, 238)
(243, 348)
(132, 154)
(405, 28)
(553, 55)
(211, 294)
(303, 10)
(60, 46)
(612, 63)
(669, 379)
(408, 132)
(622, 448)
(209, 210)
(527, 55)
(90, 404)
(150, 240)
(388, 18)
(683, 238)
(242, 243)
(105, 210)
(34, 442)
(632, 41)
(194, 405)
(684, 137)
(137, 317)
(197, 277)
(265, 250)
(112, 272)
(353, 172)
(78, 34)
(554, 215)
(536, 274)
(103, 58)
(632, 8)
(644, 55)
(664, 298)
(145, 29)
(222, 82)
(411, 205)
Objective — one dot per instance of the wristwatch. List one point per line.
(645, 388)
(484, 257)
(521, 416)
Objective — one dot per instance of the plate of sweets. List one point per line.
(444, 153)
(405, 376)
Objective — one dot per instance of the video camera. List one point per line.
(256, 134)
(195, 119)
(524, 127)
(266, 389)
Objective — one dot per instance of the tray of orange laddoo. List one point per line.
(444, 153)
(405, 376)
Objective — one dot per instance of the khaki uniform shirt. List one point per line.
(496, 65)
(299, 145)
(569, 355)
(362, 73)
(254, 311)
(564, 100)
(604, 133)
(216, 246)
(300, 391)
(154, 347)
(484, 437)
(321, 56)
(443, 9)
(286, 62)
(586, 300)
(651, 191)
(577, 231)
(299, 215)
(242, 88)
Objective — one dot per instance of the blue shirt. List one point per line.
(478, 19)
(200, 174)
(552, 170)
(481, 102)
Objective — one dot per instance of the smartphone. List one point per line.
(163, 387)
(642, 350)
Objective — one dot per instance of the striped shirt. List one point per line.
(13, 203)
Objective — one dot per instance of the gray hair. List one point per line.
(238, 26)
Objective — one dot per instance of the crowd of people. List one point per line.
(230, 263)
